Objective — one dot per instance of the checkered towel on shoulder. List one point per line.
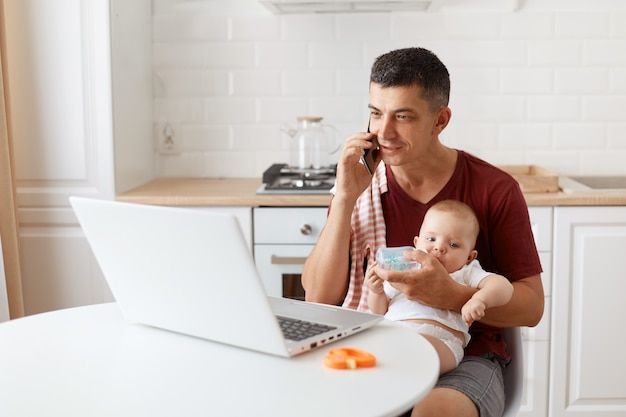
(368, 233)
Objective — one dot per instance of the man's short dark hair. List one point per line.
(414, 66)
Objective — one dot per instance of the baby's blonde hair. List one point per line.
(460, 210)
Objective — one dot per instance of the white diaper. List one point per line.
(450, 340)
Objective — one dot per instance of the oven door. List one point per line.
(283, 239)
(280, 268)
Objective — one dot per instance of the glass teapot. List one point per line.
(311, 143)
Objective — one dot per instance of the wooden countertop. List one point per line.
(242, 192)
(215, 192)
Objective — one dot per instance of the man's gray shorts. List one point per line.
(481, 378)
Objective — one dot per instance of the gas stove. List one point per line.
(282, 179)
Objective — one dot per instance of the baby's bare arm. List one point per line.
(377, 300)
(493, 291)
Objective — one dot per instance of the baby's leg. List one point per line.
(447, 361)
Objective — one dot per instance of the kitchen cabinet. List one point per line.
(536, 340)
(587, 367)
(81, 124)
(283, 239)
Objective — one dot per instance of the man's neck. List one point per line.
(425, 178)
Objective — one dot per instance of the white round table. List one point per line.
(89, 361)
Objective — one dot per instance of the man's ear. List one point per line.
(472, 255)
(442, 118)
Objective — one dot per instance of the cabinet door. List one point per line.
(588, 371)
(58, 65)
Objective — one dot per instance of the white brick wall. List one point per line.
(544, 85)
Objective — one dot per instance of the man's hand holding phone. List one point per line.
(360, 153)
(371, 158)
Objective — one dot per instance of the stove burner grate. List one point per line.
(321, 182)
(282, 177)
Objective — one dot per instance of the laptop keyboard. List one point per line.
(295, 329)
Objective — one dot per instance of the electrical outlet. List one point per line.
(168, 139)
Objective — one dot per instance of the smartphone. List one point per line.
(369, 159)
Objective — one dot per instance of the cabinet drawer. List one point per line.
(288, 225)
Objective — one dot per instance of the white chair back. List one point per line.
(514, 373)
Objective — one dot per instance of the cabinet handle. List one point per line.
(288, 260)
(306, 229)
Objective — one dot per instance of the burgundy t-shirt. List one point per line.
(505, 243)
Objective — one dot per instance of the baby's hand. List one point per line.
(373, 282)
(473, 310)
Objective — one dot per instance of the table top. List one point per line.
(89, 361)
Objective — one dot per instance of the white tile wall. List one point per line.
(543, 85)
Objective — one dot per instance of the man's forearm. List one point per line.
(325, 273)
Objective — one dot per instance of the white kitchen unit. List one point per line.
(283, 239)
(536, 340)
(587, 366)
(81, 124)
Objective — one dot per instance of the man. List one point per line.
(409, 93)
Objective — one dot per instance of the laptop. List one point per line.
(190, 271)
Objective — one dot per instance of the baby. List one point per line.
(449, 233)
